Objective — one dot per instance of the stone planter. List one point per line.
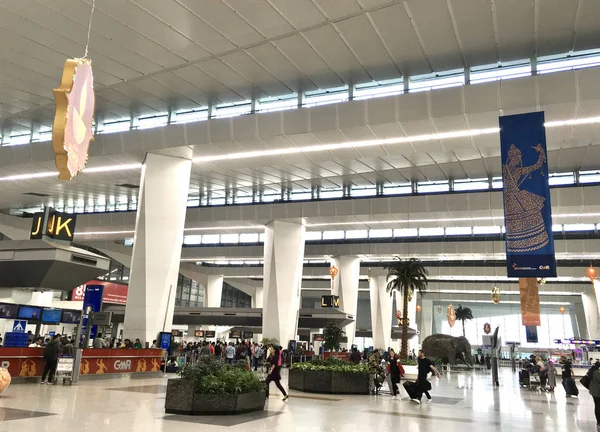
(181, 399)
(329, 382)
(180, 396)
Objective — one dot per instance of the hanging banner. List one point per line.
(530, 302)
(527, 210)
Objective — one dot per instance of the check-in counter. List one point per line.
(29, 362)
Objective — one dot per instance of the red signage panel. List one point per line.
(113, 293)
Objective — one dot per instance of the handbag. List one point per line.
(586, 381)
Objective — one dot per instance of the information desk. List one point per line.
(29, 362)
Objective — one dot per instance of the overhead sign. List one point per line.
(527, 210)
(113, 292)
(37, 227)
(530, 302)
(210, 334)
(19, 326)
(199, 333)
(92, 302)
(61, 226)
(330, 301)
(318, 337)
(73, 128)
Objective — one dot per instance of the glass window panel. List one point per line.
(406, 232)
(313, 235)
(210, 238)
(561, 179)
(429, 187)
(557, 65)
(589, 177)
(579, 227)
(483, 74)
(333, 235)
(152, 122)
(497, 183)
(469, 185)
(296, 196)
(458, 231)
(357, 234)
(229, 238)
(261, 237)
(243, 199)
(271, 197)
(398, 189)
(273, 104)
(249, 238)
(331, 193)
(436, 231)
(380, 233)
(363, 192)
(427, 82)
(486, 230)
(192, 239)
(217, 201)
(190, 116)
(557, 227)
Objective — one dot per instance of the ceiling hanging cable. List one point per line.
(87, 44)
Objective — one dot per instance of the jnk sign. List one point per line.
(60, 226)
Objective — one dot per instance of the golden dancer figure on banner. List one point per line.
(525, 227)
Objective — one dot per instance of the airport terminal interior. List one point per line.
(207, 206)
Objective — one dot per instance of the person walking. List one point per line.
(256, 356)
(594, 389)
(51, 353)
(425, 366)
(230, 353)
(274, 374)
(551, 371)
(396, 370)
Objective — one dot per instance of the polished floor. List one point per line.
(461, 402)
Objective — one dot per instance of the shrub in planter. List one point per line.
(216, 388)
(330, 376)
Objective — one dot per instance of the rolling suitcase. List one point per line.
(412, 389)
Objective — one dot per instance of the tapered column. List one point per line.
(284, 256)
(426, 323)
(258, 298)
(346, 287)
(381, 312)
(214, 291)
(590, 306)
(157, 244)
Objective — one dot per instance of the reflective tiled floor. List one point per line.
(461, 402)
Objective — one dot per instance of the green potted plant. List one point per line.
(463, 314)
(213, 387)
(333, 334)
(330, 376)
(406, 276)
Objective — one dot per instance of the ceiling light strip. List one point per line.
(347, 145)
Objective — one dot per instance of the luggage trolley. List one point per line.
(64, 369)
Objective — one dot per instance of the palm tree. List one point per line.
(406, 276)
(463, 314)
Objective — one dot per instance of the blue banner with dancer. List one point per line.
(527, 209)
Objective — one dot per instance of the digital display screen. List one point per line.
(71, 316)
(51, 316)
(177, 333)
(531, 334)
(248, 335)
(199, 333)
(8, 310)
(209, 334)
(30, 312)
(235, 335)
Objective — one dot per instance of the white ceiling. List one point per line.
(150, 56)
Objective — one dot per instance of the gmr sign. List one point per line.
(123, 365)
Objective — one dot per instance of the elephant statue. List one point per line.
(450, 347)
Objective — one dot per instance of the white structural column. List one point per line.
(346, 287)
(284, 257)
(214, 291)
(157, 244)
(381, 312)
(426, 323)
(590, 306)
(258, 298)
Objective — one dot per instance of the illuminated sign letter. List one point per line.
(60, 225)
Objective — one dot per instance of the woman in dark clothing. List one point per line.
(275, 373)
(396, 370)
